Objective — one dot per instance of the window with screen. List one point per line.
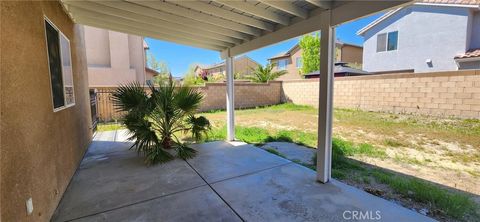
(381, 39)
(387, 41)
(60, 66)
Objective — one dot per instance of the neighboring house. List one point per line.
(341, 69)
(115, 58)
(242, 65)
(291, 61)
(424, 37)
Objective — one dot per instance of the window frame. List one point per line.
(286, 64)
(387, 36)
(296, 62)
(60, 34)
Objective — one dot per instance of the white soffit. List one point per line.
(232, 27)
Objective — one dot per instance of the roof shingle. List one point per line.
(469, 54)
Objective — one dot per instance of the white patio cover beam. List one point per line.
(325, 105)
(198, 16)
(253, 10)
(288, 7)
(101, 23)
(230, 99)
(345, 12)
(226, 14)
(326, 4)
(145, 22)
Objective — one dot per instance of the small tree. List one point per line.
(190, 78)
(154, 120)
(264, 74)
(161, 67)
(310, 45)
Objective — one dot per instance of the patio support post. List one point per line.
(230, 99)
(325, 106)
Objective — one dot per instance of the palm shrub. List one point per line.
(264, 74)
(155, 119)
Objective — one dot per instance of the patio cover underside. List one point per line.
(228, 26)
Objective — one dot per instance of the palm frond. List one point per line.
(188, 99)
(198, 126)
(130, 96)
(264, 74)
(185, 152)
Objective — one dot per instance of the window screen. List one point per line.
(54, 61)
(381, 40)
(67, 71)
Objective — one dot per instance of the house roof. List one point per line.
(449, 3)
(147, 69)
(289, 52)
(341, 67)
(472, 53)
(223, 63)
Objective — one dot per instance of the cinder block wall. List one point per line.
(440, 94)
(246, 94)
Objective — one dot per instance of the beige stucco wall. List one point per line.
(40, 149)
(114, 58)
(242, 65)
(351, 54)
(440, 93)
(292, 71)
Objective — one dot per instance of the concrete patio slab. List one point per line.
(107, 181)
(292, 151)
(109, 141)
(221, 160)
(198, 204)
(244, 183)
(290, 193)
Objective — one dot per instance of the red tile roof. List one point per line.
(455, 2)
(469, 54)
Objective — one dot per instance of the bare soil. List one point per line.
(441, 150)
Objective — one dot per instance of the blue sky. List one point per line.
(179, 57)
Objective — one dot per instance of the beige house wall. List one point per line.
(439, 94)
(114, 58)
(40, 149)
(242, 65)
(351, 54)
(292, 71)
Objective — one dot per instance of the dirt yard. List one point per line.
(441, 150)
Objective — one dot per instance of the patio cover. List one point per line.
(234, 27)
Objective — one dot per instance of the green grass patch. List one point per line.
(394, 143)
(256, 135)
(109, 126)
(450, 203)
(346, 148)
